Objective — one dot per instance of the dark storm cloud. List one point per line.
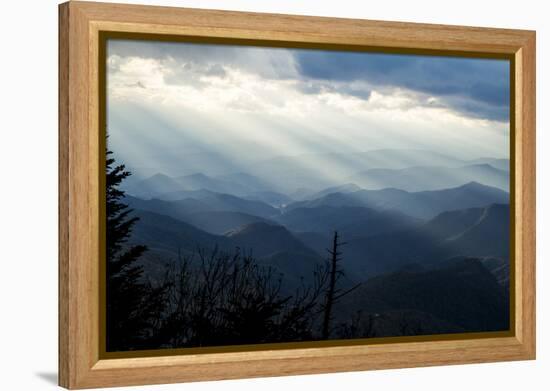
(475, 87)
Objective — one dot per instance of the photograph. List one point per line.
(265, 195)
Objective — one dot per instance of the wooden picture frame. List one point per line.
(81, 25)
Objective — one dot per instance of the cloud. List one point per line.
(269, 63)
(355, 89)
(475, 87)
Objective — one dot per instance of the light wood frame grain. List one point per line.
(80, 26)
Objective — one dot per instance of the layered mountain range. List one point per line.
(426, 235)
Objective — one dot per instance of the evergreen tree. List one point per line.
(133, 305)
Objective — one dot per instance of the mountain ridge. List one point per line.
(422, 204)
(421, 178)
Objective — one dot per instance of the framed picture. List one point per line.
(247, 195)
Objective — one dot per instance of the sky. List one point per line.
(222, 107)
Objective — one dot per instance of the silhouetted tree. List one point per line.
(218, 298)
(333, 293)
(134, 306)
(360, 325)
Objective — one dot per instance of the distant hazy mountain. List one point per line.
(431, 177)
(201, 181)
(321, 170)
(271, 245)
(169, 235)
(501, 164)
(274, 246)
(349, 221)
(301, 193)
(265, 239)
(221, 222)
(272, 198)
(152, 186)
(461, 292)
(424, 204)
(230, 203)
(203, 201)
(488, 236)
(480, 232)
(314, 172)
(183, 194)
(450, 224)
(166, 187)
(175, 209)
(163, 232)
(344, 189)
